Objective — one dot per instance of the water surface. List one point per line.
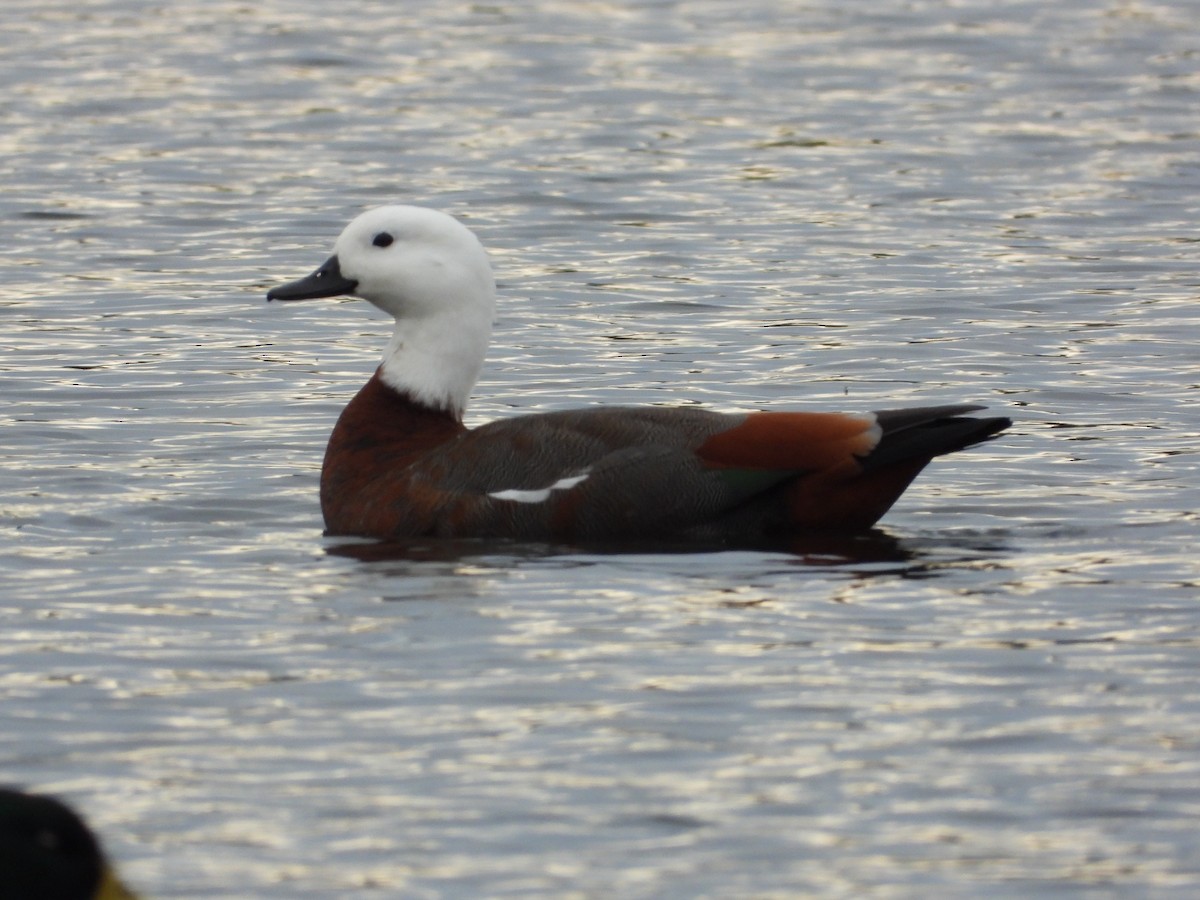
(747, 206)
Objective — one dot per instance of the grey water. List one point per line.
(757, 205)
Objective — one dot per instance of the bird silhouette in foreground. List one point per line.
(47, 852)
(400, 463)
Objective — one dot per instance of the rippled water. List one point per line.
(742, 205)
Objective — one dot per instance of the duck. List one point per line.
(48, 852)
(400, 462)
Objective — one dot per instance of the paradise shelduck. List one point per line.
(400, 462)
(47, 852)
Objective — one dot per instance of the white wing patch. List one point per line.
(876, 430)
(541, 495)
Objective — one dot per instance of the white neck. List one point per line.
(436, 361)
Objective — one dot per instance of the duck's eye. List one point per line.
(383, 239)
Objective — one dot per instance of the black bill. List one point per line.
(327, 281)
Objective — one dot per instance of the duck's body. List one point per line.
(400, 462)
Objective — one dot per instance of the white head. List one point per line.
(433, 276)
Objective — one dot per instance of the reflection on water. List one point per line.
(742, 206)
(816, 549)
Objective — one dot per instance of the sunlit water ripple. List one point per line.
(752, 205)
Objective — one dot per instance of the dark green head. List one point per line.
(48, 853)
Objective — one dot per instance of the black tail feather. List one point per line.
(926, 432)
